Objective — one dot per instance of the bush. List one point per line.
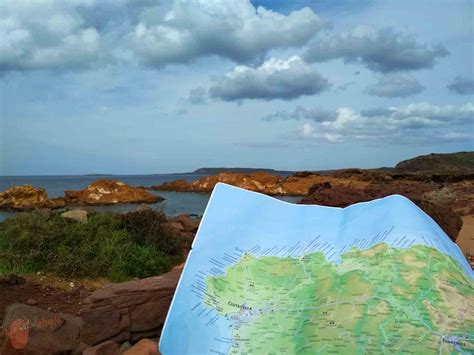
(108, 245)
(149, 227)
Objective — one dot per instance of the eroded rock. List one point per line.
(293, 185)
(109, 192)
(26, 197)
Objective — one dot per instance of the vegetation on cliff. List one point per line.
(118, 247)
(452, 162)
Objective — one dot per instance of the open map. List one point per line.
(269, 277)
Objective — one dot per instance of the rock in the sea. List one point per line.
(77, 215)
(25, 197)
(296, 185)
(253, 182)
(33, 330)
(109, 192)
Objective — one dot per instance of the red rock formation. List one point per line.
(27, 197)
(109, 192)
(296, 185)
(130, 310)
(342, 196)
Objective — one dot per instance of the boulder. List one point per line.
(34, 330)
(26, 197)
(109, 192)
(77, 215)
(130, 310)
(184, 223)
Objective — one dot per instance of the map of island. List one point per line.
(380, 300)
(269, 277)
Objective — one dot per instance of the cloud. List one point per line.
(302, 113)
(382, 50)
(395, 85)
(45, 34)
(462, 86)
(284, 79)
(197, 96)
(232, 29)
(412, 124)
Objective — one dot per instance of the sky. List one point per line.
(149, 86)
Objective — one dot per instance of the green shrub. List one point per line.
(108, 245)
(149, 227)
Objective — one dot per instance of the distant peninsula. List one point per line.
(218, 170)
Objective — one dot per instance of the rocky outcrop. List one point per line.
(343, 196)
(26, 197)
(130, 310)
(293, 185)
(253, 181)
(184, 226)
(109, 192)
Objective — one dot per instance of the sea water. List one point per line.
(175, 203)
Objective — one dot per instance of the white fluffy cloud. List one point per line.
(383, 50)
(414, 123)
(284, 79)
(46, 34)
(395, 85)
(233, 29)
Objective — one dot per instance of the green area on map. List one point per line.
(380, 300)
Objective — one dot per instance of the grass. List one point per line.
(118, 247)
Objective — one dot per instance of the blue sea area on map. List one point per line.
(238, 221)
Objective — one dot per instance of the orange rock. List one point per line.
(27, 197)
(295, 185)
(109, 192)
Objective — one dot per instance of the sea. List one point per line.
(175, 203)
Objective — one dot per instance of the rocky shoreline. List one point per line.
(108, 318)
(98, 193)
(445, 197)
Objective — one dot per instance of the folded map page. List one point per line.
(269, 277)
